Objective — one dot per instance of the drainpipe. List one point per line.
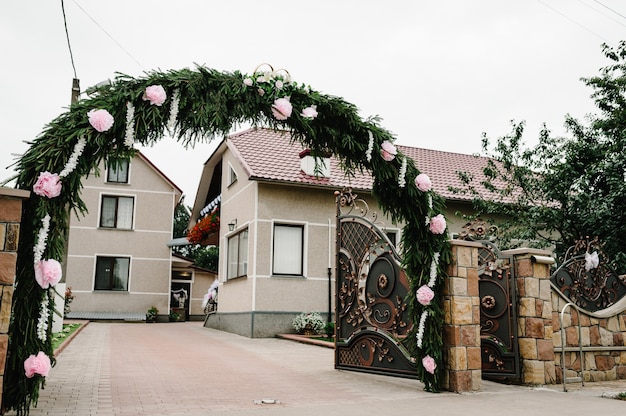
(329, 271)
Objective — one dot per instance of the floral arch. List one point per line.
(197, 105)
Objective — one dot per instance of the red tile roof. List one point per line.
(271, 155)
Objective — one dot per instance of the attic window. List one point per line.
(117, 171)
(232, 175)
(314, 166)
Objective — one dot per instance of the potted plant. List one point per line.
(174, 316)
(151, 315)
(310, 323)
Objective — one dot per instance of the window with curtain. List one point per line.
(288, 250)
(117, 212)
(238, 255)
(112, 273)
(117, 171)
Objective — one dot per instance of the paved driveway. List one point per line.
(185, 369)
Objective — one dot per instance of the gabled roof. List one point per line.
(270, 155)
(158, 171)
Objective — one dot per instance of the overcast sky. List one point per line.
(439, 73)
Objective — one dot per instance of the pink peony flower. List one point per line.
(309, 112)
(247, 82)
(437, 224)
(423, 183)
(48, 273)
(429, 364)
(100, 120)
(155, 94)
(37, 364)
(424, 295)
(282, 108)
(279, 84)
(388, 151)
(48, 184)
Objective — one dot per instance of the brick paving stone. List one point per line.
(130, 369)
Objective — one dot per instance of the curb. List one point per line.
(306, 339)
(67, 340)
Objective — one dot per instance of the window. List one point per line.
(117, 212)
(238, 255)
(288, 246)
(117, 171)
(232, 175)
(112, 273)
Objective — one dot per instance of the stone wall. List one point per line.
(602, 344)
(539, 329)
(10, 218)
(461, 328)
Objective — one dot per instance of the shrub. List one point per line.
(308, 321)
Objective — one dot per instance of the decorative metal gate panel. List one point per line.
(370, 309)
(498, 317)
(587, 279)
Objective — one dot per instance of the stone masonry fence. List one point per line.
(538, 326)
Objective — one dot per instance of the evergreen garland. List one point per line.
(201, 104)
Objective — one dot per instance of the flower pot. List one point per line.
(308, 330)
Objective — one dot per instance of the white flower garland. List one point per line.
(420, 330)
(370, 147)
(171, 122)
(42, 236)
(79, 147)
(430, 201)
(402, 173)
(433, 269)
(42, 324)
(130, 125)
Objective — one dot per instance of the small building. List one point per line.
(190, 284)
(119, 263)
(277, 235)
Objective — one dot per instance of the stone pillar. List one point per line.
(461, 327)
(534, 315)
(10, 218)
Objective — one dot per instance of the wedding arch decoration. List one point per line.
(194, 105)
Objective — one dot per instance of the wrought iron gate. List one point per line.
(370, 309)
(498, 316)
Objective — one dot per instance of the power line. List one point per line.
(576, 23)
(607, 7)
(109, 35)
(602, 13)
(67, 35)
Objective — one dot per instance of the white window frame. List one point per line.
(112, 170)
(117, 207)
(279, 271)
(232, 175)
(115, 257)
(241, 260)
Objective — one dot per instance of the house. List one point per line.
(277, 251)
(118, 263)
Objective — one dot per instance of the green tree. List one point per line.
(182, 214)
(205, 257)
(564, 188)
